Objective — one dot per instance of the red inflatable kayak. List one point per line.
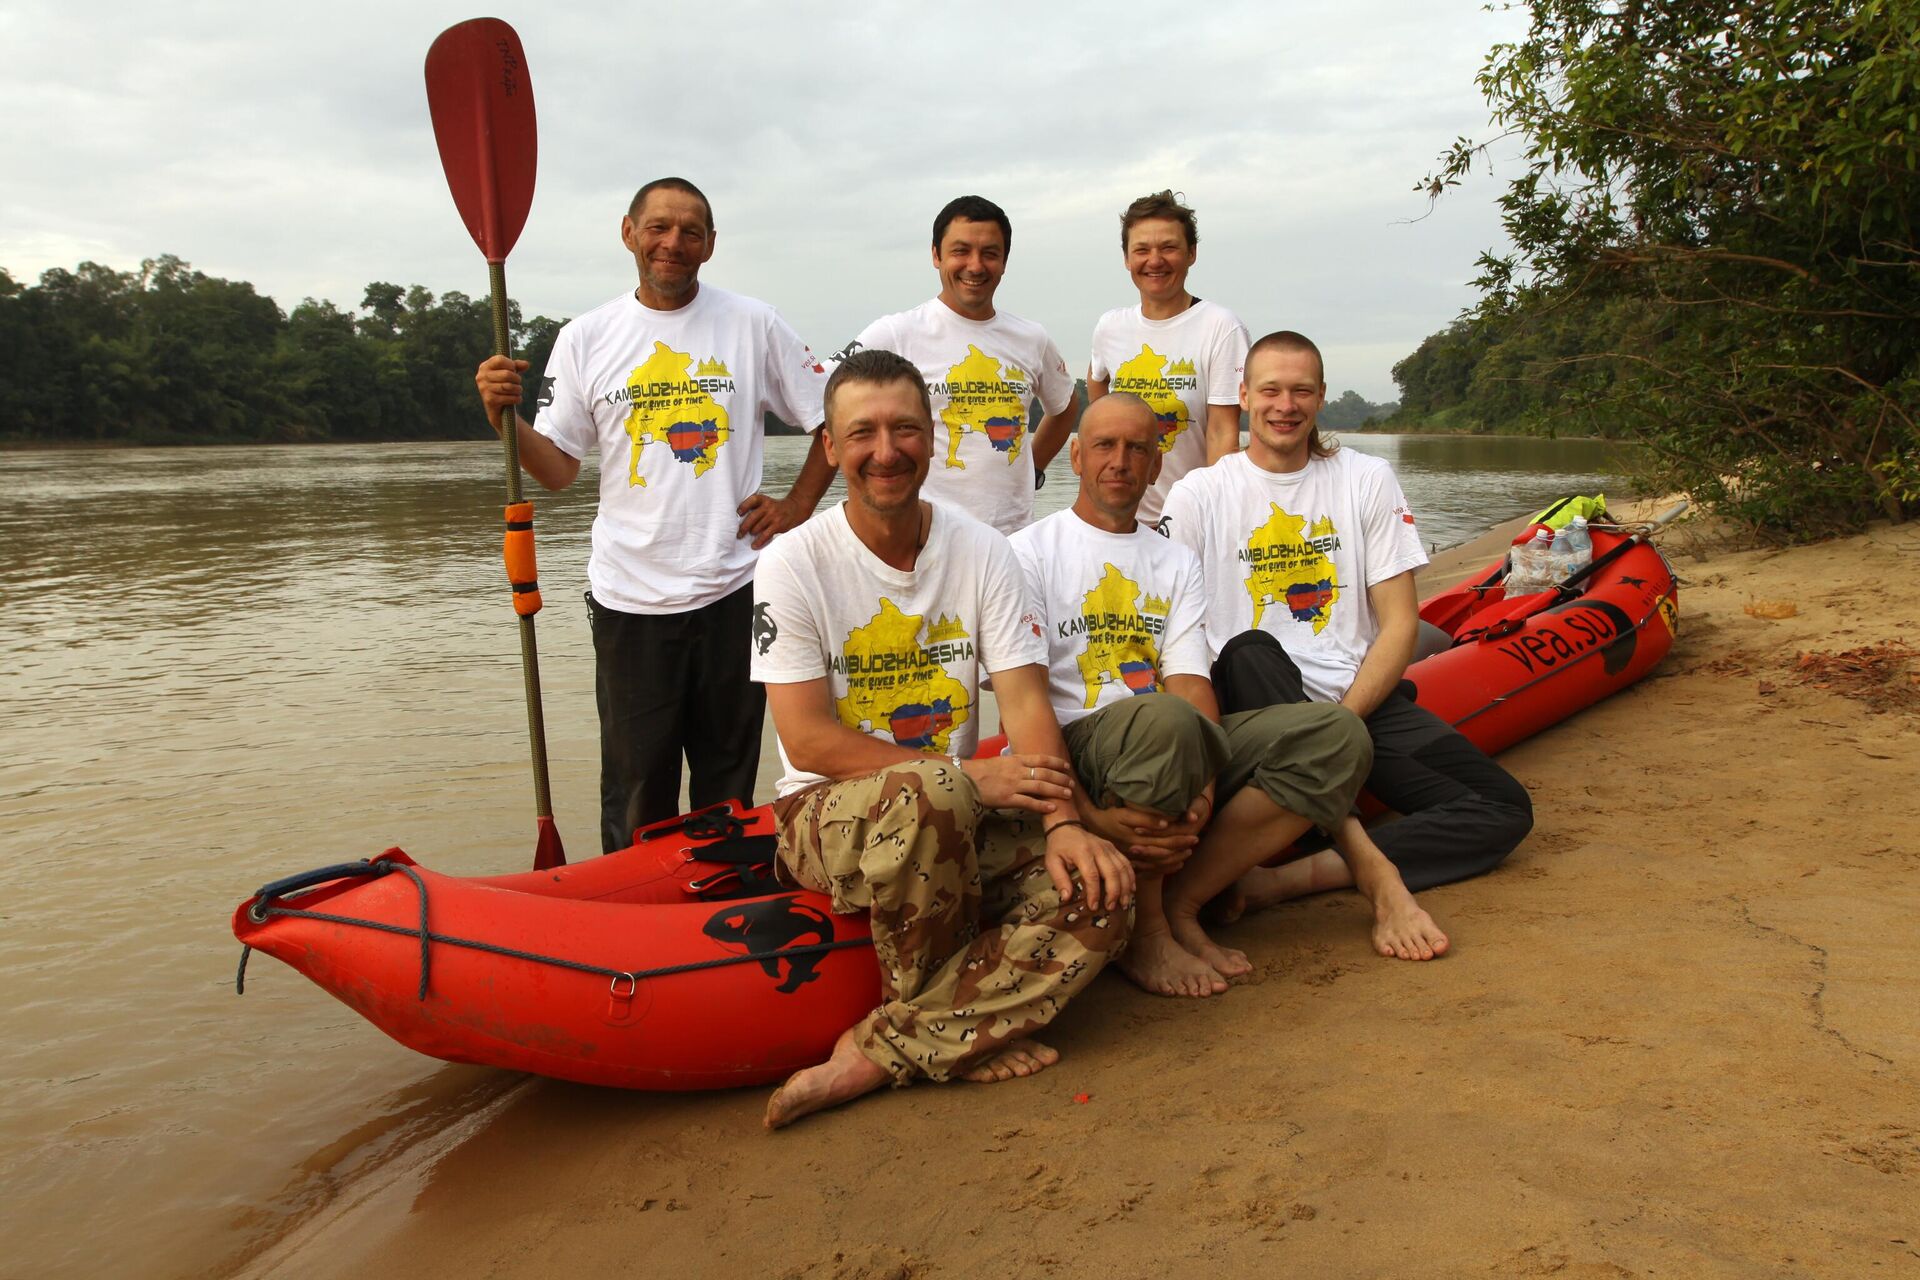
(635, 969)
(674, 964)
(1517, 667)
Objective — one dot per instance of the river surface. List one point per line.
(226, 665)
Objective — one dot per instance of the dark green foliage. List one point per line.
(168, 355)
(1713, 250)
(1351, 411)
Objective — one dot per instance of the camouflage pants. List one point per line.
(974, 945)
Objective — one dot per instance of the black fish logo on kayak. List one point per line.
(768, 927)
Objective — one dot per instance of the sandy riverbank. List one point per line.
(1676, 1037)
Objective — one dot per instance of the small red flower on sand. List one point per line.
(1083, 1098)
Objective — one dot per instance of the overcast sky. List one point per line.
(289, 146)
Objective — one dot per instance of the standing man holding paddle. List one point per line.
(670, 383)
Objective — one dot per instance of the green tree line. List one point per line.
(1528, 369)
(1713, 251)
(170, 355)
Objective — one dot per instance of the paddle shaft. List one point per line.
(529, 649)
(1588, 570)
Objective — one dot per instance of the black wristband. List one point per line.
(1070, 822)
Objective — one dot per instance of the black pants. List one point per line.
(1461, 813)
(668, 685)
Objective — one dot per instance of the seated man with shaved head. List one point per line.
(1122, 609)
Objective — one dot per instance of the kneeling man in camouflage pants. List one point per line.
(873, 623)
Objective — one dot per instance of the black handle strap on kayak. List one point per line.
(712, 823)
(751, 878)
(262, 911)
(263, 907)
(738, 851)
(307, 879)
(748, 859)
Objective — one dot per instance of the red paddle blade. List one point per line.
(482, 106)
(547, 853)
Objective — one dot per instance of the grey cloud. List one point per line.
(293, 150)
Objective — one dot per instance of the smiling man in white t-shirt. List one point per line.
(991, 901)
(1181, 354)
(983, 369)
(1315, 546)
(670, 383)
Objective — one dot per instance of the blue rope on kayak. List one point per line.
(260, 912)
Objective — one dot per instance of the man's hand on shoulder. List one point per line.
(1104, 872)
(761, 517)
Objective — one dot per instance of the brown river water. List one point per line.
(227, 665)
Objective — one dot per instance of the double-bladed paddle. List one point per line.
(482, 107)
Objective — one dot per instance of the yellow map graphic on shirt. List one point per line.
(676, 408)
(1148, 376)
(1123, 645)
(1288, 566)
(982, 397)
(898, 685)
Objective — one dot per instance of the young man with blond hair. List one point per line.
(1309, 552)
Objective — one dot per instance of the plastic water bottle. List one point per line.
(1532, 563)
(1575, 546)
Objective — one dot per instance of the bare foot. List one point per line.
(1159, 965)
(841, 1078)
(1264, 887)
(1018, 1058)
(1403, 929)
(1225, 961)
(1227, 906)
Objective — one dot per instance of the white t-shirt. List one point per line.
(901, 652)
(1179, 366)
(1121, 611)
(982, 376)
(673, 402)
(1294, 555)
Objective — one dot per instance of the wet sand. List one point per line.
(1676, 1036)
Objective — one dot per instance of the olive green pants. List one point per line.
(1156, 752)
